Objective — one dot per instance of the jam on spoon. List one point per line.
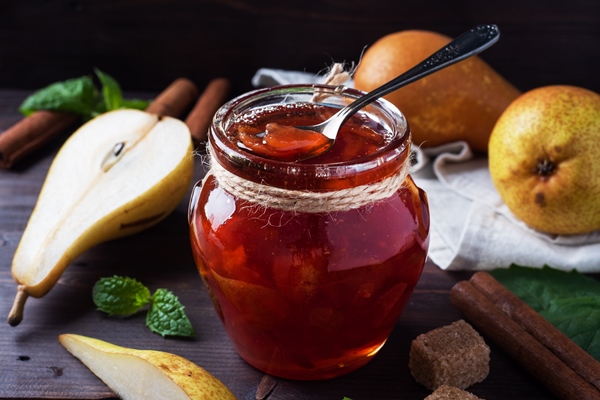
(285, 143)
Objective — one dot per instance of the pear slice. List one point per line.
(118, 174)
(145, 374)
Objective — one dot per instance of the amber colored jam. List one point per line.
(285, 142)
(271, 134)
(306, 295)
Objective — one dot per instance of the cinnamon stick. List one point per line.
(31, 133)
(570, 353)
(213, 97)
(175, 99)
(533, 356)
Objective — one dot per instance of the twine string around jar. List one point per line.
(304, 200)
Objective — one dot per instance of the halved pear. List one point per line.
(118, 174)
(145, 374)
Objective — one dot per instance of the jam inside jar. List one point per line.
(309, 264)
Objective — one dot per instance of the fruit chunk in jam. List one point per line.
(310, 295)
(274, 135)
(284, 142)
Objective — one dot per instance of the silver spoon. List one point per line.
(466, 45)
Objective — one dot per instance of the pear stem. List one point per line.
(15, 316)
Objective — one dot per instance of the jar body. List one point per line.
(308, 295)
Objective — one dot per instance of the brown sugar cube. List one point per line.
(446, 392)
(453, 355)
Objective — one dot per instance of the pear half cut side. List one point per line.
(145, 374)
(118, 174)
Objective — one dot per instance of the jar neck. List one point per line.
(390, 161)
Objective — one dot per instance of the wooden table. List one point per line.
(34, 365)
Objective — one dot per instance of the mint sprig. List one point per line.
(80, 96)
(125, 296)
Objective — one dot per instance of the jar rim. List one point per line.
(233, 158)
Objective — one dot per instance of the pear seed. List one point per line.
(113, 156)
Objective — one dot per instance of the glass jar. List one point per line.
(309, 264)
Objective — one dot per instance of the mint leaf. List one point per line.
(568, 300)
(111, 91)
(112, 96)
(580, 316)
(166, 316)
(137, 104)
(120, 295)
(538, 287)
(80, 96)
(73, 95)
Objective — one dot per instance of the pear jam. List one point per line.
(270, 134)
(309, 264)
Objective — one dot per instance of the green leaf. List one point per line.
(124, 296)
(80, 96)
(120, 295)
(73, 95)
(137, 104)
(167, 317)
(568, 300)
(578, 318)
(99, 108)
(111, 91)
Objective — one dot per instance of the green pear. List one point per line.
(118, 174)
(544, 155)
(145, 374)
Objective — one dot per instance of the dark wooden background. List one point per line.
(146, 44)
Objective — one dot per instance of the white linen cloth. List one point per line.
(471, 227)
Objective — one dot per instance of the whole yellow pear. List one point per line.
(544, 159)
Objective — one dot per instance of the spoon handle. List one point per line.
(469, 43)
